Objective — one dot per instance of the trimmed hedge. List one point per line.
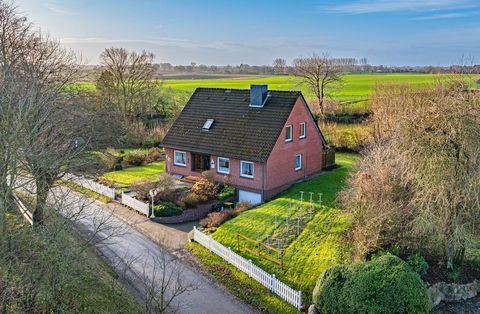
(167, 209)
(384, 285)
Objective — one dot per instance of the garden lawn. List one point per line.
(320, 244)
(128, 176)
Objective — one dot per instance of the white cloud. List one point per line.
(56, 8)
(377, 6)
(445, 16)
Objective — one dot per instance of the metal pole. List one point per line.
(298, 225)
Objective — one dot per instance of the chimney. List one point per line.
(258, 95)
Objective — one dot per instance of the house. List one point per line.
(257, 140)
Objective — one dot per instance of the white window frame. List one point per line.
(218, 166)
(175, 159)
(290, 127)
(300, 167)
(304, 126)
(241, 168)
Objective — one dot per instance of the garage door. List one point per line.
(253, 198)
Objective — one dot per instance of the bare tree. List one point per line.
(319, 73)
(279, 65)
(127, 80)
(425, 166)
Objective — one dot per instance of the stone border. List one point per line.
(449, 292)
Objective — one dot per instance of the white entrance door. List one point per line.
(251, 197)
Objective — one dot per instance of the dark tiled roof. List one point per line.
(239, 131)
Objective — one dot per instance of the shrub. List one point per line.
(226, 192)
(165, 181)
(418, 264)
(206, 186)
(167, 209)
(143, 188)
(217, 218)
(166, 195)
(134, 157)
(108, 159)
(384, 285)
(154, 153)
(191, 200)
(242, 206)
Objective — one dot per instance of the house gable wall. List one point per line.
(280, 166)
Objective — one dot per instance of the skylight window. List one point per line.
(208, 124)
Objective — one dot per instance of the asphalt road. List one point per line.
(139, 260)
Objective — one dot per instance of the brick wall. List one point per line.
(234, 178)
(280, 165)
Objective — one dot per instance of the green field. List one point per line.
(321, 243)
(354, 86)
(128, 176)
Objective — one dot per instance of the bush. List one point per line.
(242, 206)
(167, 209)
(206, 186)
(166, 195)
(154, 153)
(217, 218)
(108, 159)
(143, 188)
(226, 192)
(134, 157)
(418, 264)
(191, 200)
(384, 285)
(165, 181)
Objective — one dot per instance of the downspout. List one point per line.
(263, 182)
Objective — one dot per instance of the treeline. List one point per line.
(280, 67)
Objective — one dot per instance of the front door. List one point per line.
(200, 162)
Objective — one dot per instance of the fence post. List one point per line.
(250, 267)
(299, 304)
(272, 283)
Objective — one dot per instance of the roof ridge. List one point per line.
(247, 89)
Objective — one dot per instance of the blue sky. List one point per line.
(398, 32)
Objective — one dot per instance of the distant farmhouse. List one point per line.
(257, 140)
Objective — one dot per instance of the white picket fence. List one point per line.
(91, 185)
(139, 206)
(273, 284)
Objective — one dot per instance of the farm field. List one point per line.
(320, 244)
(128, 176)
(355, 86)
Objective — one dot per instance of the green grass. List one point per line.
(239, 284)
(320, 245)
(128, 176)
(94, 286)
(354, 87)
(80, 189)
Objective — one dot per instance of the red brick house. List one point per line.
(257, 140)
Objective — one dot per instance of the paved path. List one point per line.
(133, 254)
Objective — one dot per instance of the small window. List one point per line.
(223, 165)
(298, 162)
(180, 158)
(208, 124)
(246, 169)
(303, 130)
(288, 133)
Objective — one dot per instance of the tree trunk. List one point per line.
(42, 193)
